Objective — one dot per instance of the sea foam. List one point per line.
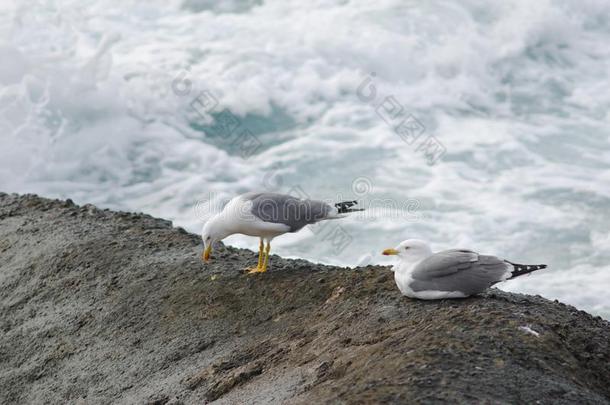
(98, 102)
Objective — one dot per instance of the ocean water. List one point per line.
(465, 123)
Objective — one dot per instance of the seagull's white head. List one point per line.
(213, 231)
(410, 250)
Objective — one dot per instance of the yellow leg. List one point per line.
(264, 269)
(261, 253)
(261, 246)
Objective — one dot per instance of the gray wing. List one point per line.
(288, 210)
(458, 270)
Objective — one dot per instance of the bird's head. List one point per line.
(411, 250)
(213, 231)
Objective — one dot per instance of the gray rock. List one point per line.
(98, 307)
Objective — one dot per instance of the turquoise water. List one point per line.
(467, 124)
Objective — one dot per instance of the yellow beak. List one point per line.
(389, 252)
(206, 253)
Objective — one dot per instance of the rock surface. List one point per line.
(100, 307)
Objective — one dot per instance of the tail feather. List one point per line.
(345, 207)
(521, 269)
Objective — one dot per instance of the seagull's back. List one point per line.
(288, 210)
(459, 270)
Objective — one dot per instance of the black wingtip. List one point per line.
(345, 206)
(521, 269)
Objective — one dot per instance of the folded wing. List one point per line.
(288, 210)
(459, 270)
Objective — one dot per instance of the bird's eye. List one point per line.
(406, 247)
(208, 238)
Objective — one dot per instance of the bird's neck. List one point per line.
(223, 226)
(407, 264)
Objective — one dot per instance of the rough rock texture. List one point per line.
(102, 307)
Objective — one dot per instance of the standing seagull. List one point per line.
(452, 273)
(267, 215)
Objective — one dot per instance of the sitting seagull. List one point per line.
(267, 215)
(452, 273)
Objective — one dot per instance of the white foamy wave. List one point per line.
(110, 104)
